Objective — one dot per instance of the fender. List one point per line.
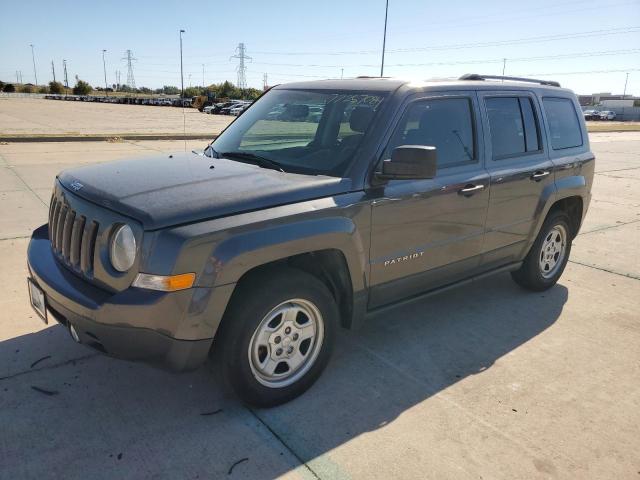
(222, 250)
(576, 184)
(240, 253)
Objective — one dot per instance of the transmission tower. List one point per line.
(241, 55)
(66, 78)
(131, 81)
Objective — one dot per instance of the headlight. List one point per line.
(123, 248)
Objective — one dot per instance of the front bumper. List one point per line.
(135, 324)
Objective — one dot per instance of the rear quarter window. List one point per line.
(513, 126)
(563, 123)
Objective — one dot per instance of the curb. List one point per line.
(104, 137)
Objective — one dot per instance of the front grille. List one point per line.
(73, 236)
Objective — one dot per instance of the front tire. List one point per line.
(277, 336)
(549, 254)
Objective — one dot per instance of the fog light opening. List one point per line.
(74, 333)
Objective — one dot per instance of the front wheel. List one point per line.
(277, 336)
(549, 254)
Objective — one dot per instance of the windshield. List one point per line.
(311, 132)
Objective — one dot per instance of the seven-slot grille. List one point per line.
(73, 236)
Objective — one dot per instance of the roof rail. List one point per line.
(475, 76)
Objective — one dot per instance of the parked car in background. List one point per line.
(208, 108)
(227, 110)
(239, 109)
(591, 115)
(607, 115)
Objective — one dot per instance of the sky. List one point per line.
(586, 45)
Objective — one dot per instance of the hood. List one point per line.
(167, 190)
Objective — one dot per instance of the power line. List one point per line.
(460, 23)
(497, 43)
(464, 62)
(584, 72)
(425, 64)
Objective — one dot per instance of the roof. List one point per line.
(388, 84)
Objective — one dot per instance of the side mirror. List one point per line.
(410, 162)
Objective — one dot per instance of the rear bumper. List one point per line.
(135, 324)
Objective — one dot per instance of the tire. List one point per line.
(265, 323)
(541, 270)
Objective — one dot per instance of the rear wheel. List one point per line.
(277, 336)
(545, 262)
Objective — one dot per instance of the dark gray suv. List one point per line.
(323, 202)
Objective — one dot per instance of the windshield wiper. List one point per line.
(253, 158)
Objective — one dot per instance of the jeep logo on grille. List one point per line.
(76, 185)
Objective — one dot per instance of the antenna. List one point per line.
(241, 54)
(131, 81)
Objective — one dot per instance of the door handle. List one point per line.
(470, 189)
(539, 175)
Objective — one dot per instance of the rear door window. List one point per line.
(513, 125)
(563, 123)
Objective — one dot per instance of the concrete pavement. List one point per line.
(486, 381)
(33, 117)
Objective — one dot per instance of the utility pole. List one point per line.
(624, 94)
(203, 75)
(17, 77)
(504, 66)
(384, 38)
(104, 66)
(265, 83)
(33, 57)
(53, 71)
(131, 81)
(66, 78)
(189, 80)
(181, 71)
(241, 55)
(341, 73)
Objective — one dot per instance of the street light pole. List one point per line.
(181, 72)
(33, 57)
(104, 66)
(384, 38)
(624, 94)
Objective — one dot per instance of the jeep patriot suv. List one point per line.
(323, 202)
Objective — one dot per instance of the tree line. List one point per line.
(219, 90)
